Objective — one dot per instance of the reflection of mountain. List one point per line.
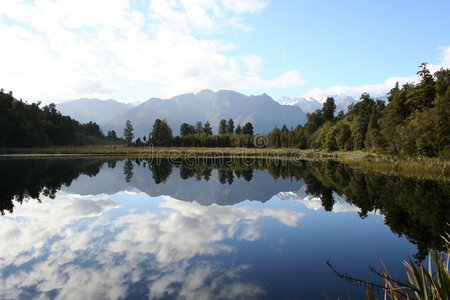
(261, 187)
(420, 209)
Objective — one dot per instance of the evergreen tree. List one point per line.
(112, 135)
(274, 138)
(238, 129)
(247, 129)
(423, 93)
(198, 128)
(207, 129)
(186, 129)
(223, 126)
(328, 109)
(128, 132)
(230, 126)
(161, 134)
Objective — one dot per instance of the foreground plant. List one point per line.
(423, 281)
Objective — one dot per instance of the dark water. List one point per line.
(125, 229)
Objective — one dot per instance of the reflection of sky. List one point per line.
(129, 245)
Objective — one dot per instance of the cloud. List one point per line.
(445, 57)
(69, 48)
(33, 223)
(190, 229)
(315, 203)
(380, 89)
(375, 90)
(245, 6)
(64, 247)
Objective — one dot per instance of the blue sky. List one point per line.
(131, 50)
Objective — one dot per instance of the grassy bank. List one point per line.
(411, 166)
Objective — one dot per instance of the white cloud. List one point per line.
(33, 224)
(245, 6)
(380, 89)
(56, 248)
(315, 203)
(70, 48)
(190, 229)
(375, 90)
(445, 57)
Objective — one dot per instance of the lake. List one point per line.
(104, 228)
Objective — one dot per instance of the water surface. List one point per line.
(130, 229)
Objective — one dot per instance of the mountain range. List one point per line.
(262, 111)
(95, 110)
(309, 105)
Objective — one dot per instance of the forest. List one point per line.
(414, 121)
(29, 125)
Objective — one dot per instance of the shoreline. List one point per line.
(410, 166)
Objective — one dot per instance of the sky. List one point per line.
(133, 50)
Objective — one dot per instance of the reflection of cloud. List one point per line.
(189, 229)
(54, 251)
(315, 203)
(32, 224)
(223, 283)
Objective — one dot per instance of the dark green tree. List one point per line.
(128, 134)
(238, 129)
(186, 129)
(161, 134)
(328, 110)
(112, 135)
(247, 128)
(230, 126)
(207, 129)
(223, 126)
(198, 128)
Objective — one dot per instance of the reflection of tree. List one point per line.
(186, 173)
(112, 164)
(206, 174)
(247, 174)
(199, 174)
(128, 170)
(222, 176)
(161, 170)
(316, 188)
(22, 179)
(419, 209)
(230, 177)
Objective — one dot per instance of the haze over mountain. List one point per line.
(95, 110)
(309, 105)
(262, 111)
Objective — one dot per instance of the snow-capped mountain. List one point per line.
(309, 105)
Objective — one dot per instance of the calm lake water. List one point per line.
(130, 229)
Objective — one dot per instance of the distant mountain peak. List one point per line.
(206, 105)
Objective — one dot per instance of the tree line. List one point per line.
(198, 135)
(415, 120)
(29, 125)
